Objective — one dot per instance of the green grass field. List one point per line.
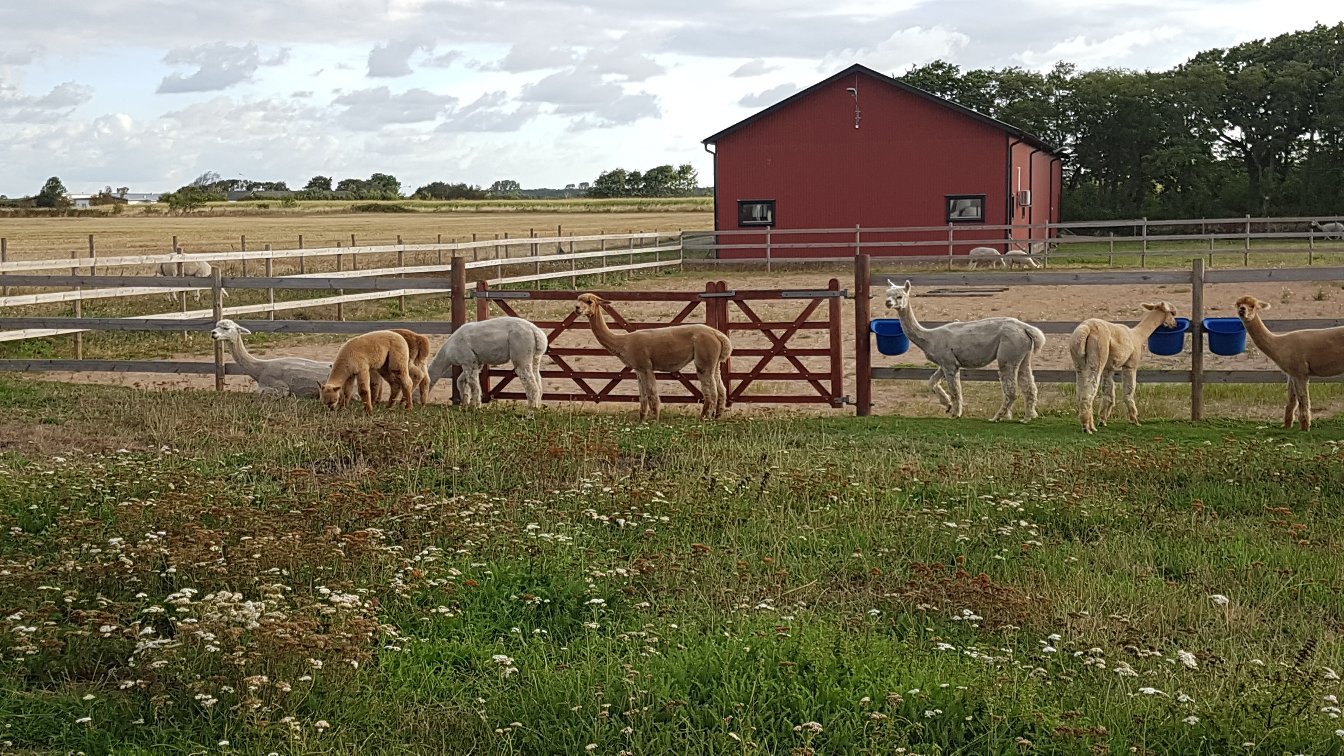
(189, 573)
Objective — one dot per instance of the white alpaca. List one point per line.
(492, 342)
(1099, 348)
(974, 344)
(1017, 258)
(987, 255)
(192, 268)
(281, 376)
(1332, 230)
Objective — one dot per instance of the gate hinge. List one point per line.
(840, 401)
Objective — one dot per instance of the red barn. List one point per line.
(864, 149)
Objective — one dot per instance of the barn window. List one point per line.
(965, 208)
(755, 212)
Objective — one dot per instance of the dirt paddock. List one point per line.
(1032, 303)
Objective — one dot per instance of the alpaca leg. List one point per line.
(535, 399)
(709, 392)
(528, 378)
(1290, 411)
(935, 382)
(464, 388)
(721, 404)
(403, 379)
(648, 396)
(1304, 404)
(1107, 396)
(366, 391)
(954, 383)
(1131, 388)
(1007, 379)
(1087, 392)
(1027, 380)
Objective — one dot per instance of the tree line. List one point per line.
(1253, 129)
(659, 181)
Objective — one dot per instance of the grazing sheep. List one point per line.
(1099, 348)
(988, 255)
(192, 268)
(1332, 230)
(492, 342)
(1299, 354)
(419, 346)
(665, 350)
(280, 376)
(973, 344)
(383, 352)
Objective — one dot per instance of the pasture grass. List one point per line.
(180, 570)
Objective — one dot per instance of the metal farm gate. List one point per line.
(761, 324)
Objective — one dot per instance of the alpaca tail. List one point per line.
(725, 346)
(1085, 347)
(1037, 337)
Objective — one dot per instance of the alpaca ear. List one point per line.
(244, 331)
(891, 283)
(1261, 305)
(1149, 306)
(907, 286)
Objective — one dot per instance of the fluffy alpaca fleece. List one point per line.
(419, 346)
(1299, 354)
(493, 341)
(665, 350)
(1099, 348)
(382, 352)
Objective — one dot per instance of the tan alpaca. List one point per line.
(419, 346)
(382, 352)
(1099, 348)
(1299, 354)
(665, 350)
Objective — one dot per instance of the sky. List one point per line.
(149, 94)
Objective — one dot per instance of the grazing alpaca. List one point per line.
(1332, 230)
(192, 268)
(987, 255)
(1099, 348)
(1017, 258)
(973, 344)
(1299, 354)
(665, 350)
(383, 352)
(492, 342)
(419, 346)
(280, 376)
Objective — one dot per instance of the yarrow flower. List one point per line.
(1220, 599)
(1191, 720)
(1188, 659)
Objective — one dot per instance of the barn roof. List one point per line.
(892, 82)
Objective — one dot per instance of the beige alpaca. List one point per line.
(1099, 348)
(383, 352)
(419, 346)
(1299, 354)
(665, 350)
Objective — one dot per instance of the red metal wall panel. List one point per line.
(895, 169)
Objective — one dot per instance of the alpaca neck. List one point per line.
(1265, 340)
(241, 355)
(913, 330)
(609, 341)
(1149, 323)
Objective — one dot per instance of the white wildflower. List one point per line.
(1151, 692)
(1188, 659)
(1220, 599)
(1191, 720)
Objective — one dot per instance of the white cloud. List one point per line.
(751, 68)
(1092, 53)
(218, 66)
(372, 109)
(524, 58)
(768, 97)
(907, 47)
(586, 93)
(393, 59)
(489, 113)
(16, 107)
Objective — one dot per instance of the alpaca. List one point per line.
(665, 350)
(190, 268)
(1017, 258)
(280, 376)
(1332, 230)
(987, 255)
(383, 352)
(492, 342)
(1299, 354)
(974, 344)
(419, 346)
(1099, 348)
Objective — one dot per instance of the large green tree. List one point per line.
(52, 194)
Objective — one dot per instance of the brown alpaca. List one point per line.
(665, 350)
(1299, 354)
(1099, 348)
(382, 352)
(419, 346)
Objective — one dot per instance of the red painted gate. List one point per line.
(764, 326)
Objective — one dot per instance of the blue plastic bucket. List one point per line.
(1168, 341)
(891, 338)
(1227, 336)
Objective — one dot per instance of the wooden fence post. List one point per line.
(217, 296)
(768, 251)
(4, 258)
(79, 307)
(863, 349)
(270, 271)
(1143, 252)
(303, 267)
(401, 263)
(183, 294)
(340, 265)
(950, 246)
(834, 316)
(1197, 339)
(242, 247)
(459, 311)
(93, 270)
(1246, 254)
(483, 313)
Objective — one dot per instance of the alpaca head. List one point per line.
(1168, 312)
(226, 329)
(898, 297)
(589, 305)
(1248, 308)
(331, 394)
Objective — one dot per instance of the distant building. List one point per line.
(864, 149)
(81, 201)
